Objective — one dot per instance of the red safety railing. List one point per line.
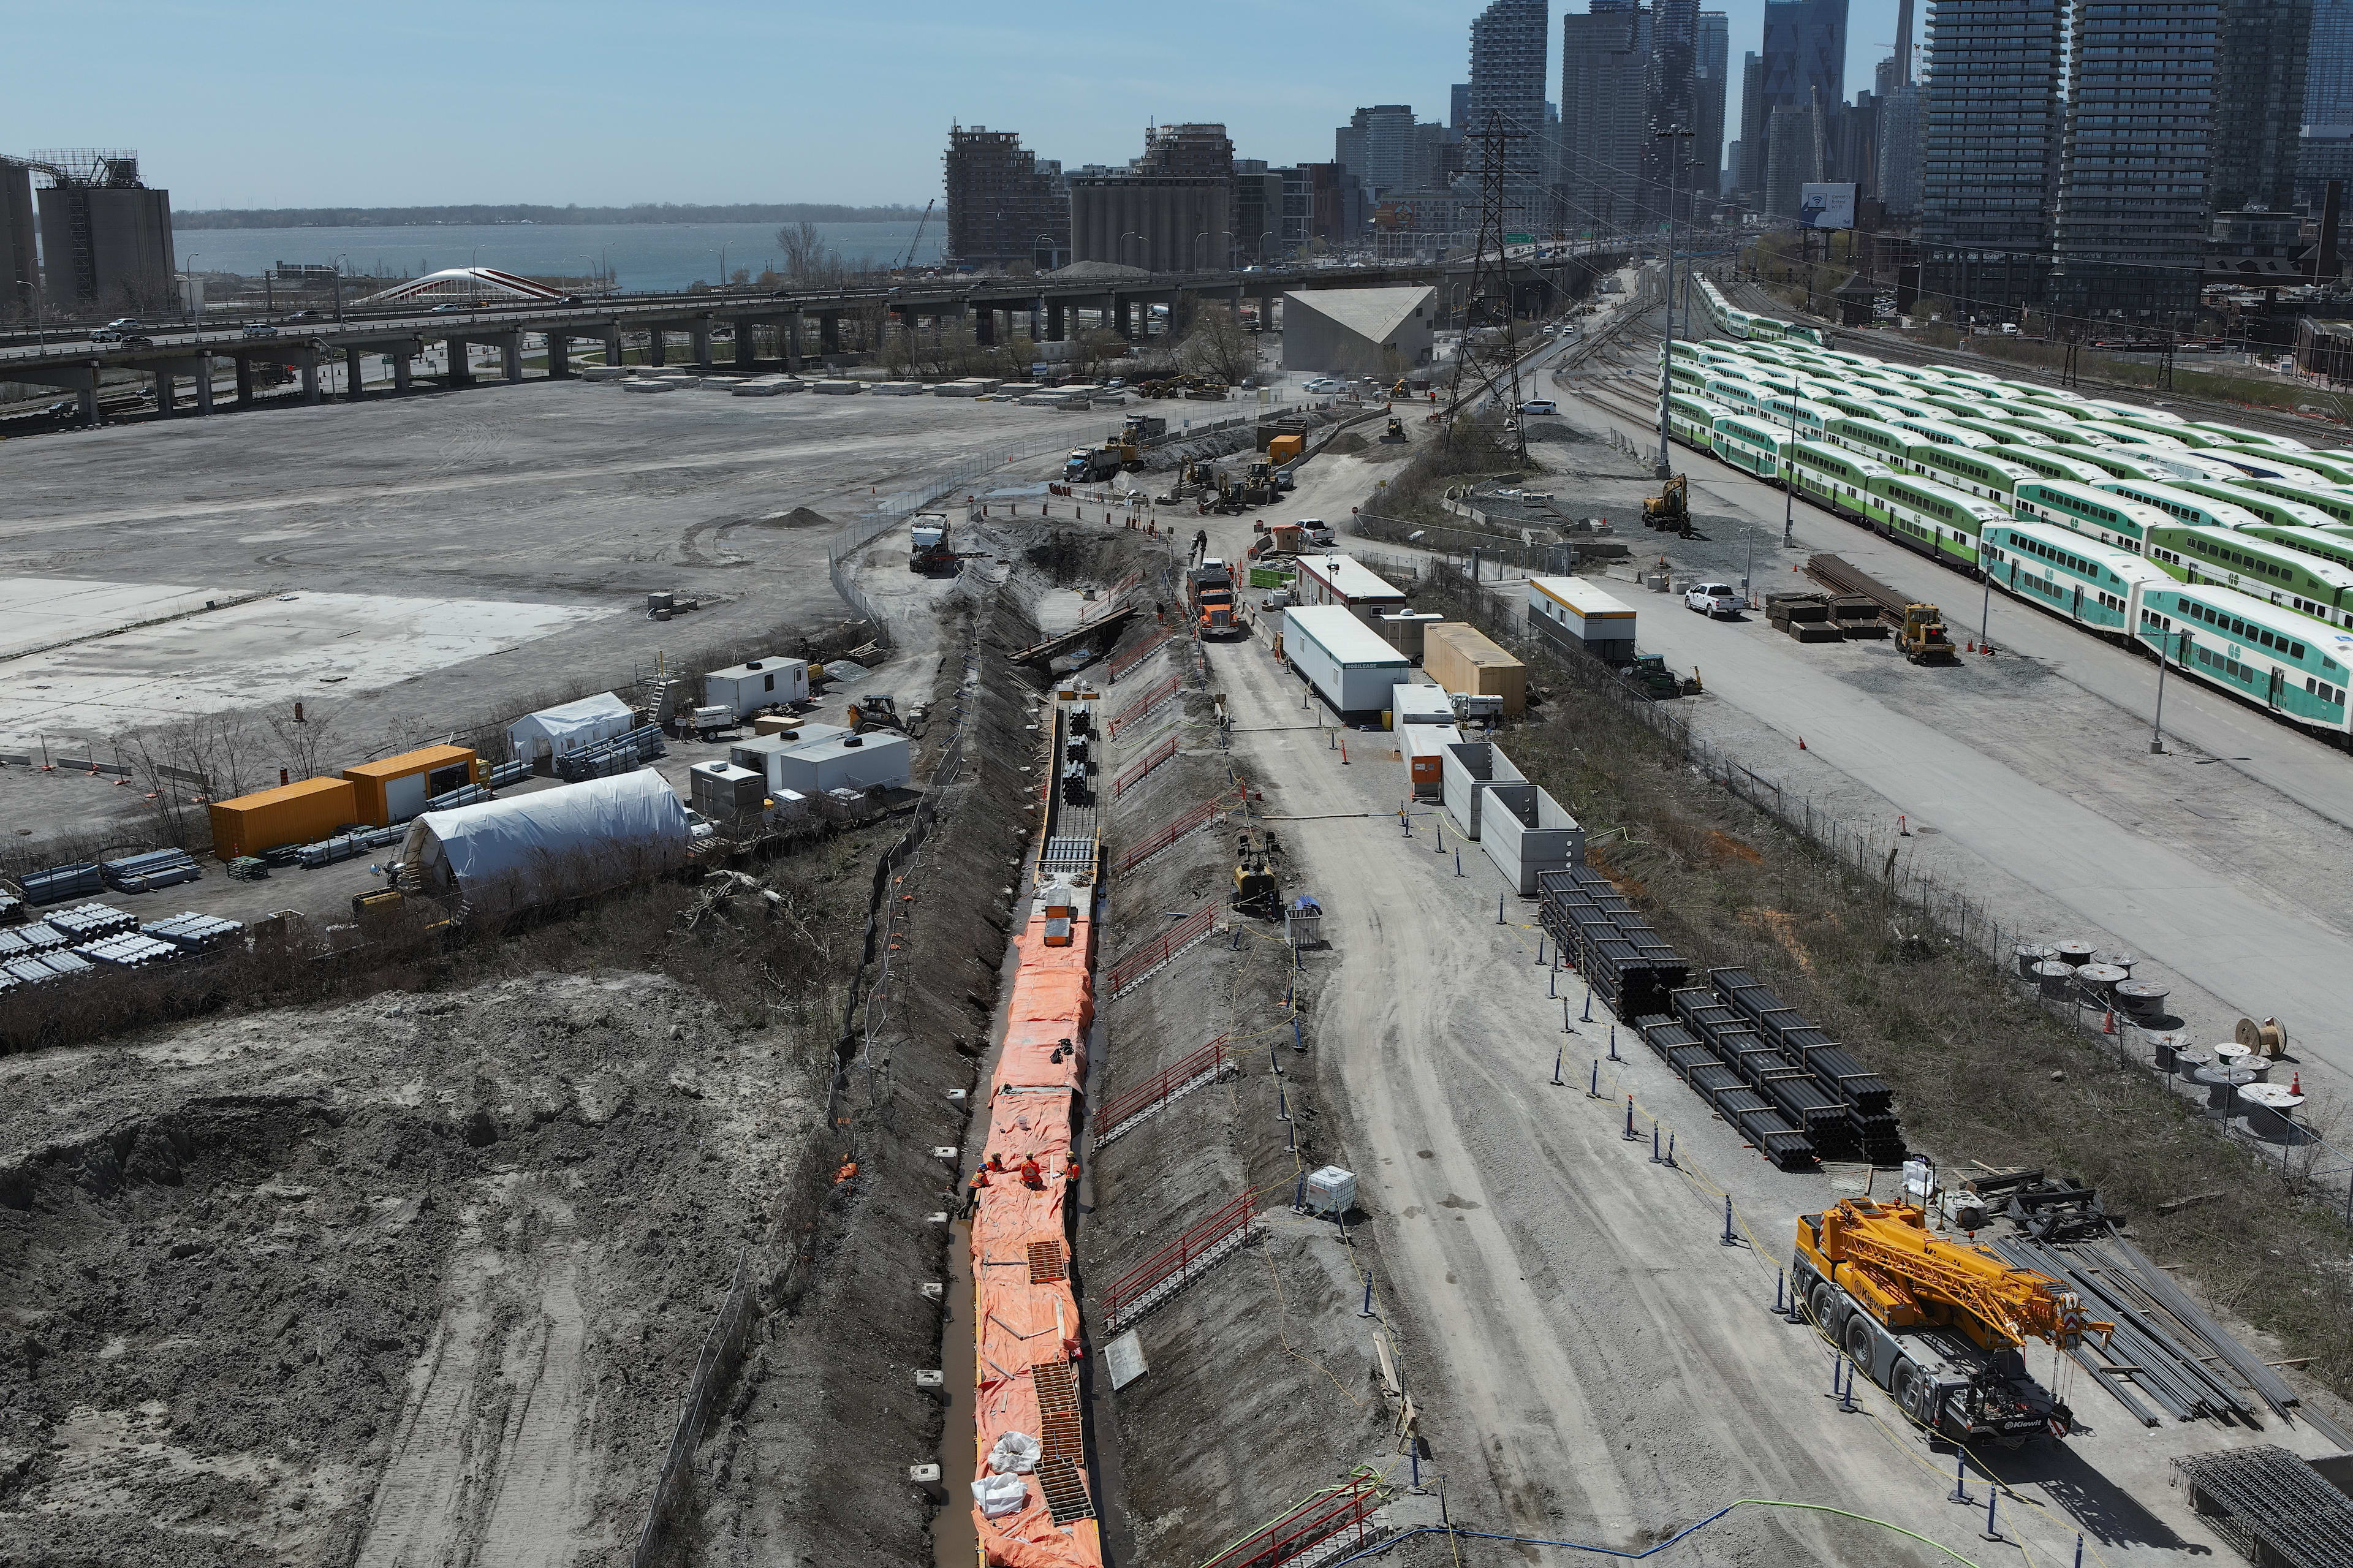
(1121, 663)
(1344, 1511)
(1142, 765)
(1119, 589)
(1152, 699)
(1209, 1061)
(1162, 838)
(1127, 1295)
(1135, 965)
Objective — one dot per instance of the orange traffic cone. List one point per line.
(2295, 1082)
(1801, 742)
(2108, 1024)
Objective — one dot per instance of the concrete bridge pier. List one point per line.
(657, 345)
(984, 326)
(400, 359)
(309, 361)
(747, 344)
(792, 343)
(244, 380)
(460, 372)
(1056, 323)
(352, 378)
(166, 392)
(699, 333)
(510, 355)
(559, 356)
(1123, 317)
(829, 332)
(612, 336)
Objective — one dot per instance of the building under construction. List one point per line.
(106, 239)
(1005, 205)
(19, 264)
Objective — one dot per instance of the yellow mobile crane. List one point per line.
(1937, 1322)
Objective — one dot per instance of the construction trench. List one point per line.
(430, 1275)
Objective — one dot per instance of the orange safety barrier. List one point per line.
(1027, 1329)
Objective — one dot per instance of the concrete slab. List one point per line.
(38, 612)
(262, 653)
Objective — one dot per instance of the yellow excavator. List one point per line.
(1937, 1322)
(1669, 509)
(876, 710)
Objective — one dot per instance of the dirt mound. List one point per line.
(800, 517)
(1346, 444)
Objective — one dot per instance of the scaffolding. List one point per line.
(1003, 205)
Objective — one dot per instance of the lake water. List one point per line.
(643, 255)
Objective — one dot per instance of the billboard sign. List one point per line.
(1830, 206)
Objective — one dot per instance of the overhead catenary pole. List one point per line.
(1671, 135)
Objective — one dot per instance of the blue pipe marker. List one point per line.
(1499, 908)
(1654, 1144)
(1671, 1151)
(1846, 1400)
(1993, 1495)
(1413, 1452)
(1566, 1026)
(1298, 1197)
(1555, 1064)
(1630, 1134)
(2079, 1549)
(1589, 1007)
(1613, 1044)
(1729, 1239)
(1780, 1277)
(1441, 836)
(1281, 1104)
(1960, 1476)
(1540, 947)
(1595, 1092)
(1366, 1311)
(1458, 862)
(1552, 986)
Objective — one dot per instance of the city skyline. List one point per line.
(557, 132)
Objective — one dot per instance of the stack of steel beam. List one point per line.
(617, 756)
(194, 931)
(146, 873)
(127, 950)
(1731, 1077)
(59, 883)
(1868, 1102)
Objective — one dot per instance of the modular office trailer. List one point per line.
(1569, 615)
(1353, 668)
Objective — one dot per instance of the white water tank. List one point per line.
(1331, 1191)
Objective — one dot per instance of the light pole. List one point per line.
(1141, 243)
(1197, 249)
(1049, 250)
(721, 253)
(341, 261)
(1667, 347)
(1264, 235)
(2157, 730)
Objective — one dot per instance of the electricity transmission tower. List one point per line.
(1496, 374)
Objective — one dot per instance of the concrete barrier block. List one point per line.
(837, 388)
(650, 386)
(898, 389)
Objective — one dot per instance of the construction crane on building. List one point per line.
(916, 243)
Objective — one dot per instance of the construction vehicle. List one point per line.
(1209, 593)
(1938, 1324)
(1086, 465)
(1138, 429)
(876, 710)
(1256, 890)
(1669, 509)
(1396, 432)
(928, 552)
(1921, 634)
(1651, 676)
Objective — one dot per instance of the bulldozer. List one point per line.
(1669, 509)
(876, 710)
(1922, 636)
(1396, 432)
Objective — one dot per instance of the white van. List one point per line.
(1539, 405)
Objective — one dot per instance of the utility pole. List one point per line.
(1675, 136)
(2157, 730)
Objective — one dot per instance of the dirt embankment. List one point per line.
(1263, 1384)
(414, 1279)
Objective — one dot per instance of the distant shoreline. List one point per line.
(541, 217)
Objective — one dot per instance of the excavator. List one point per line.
(1669, 509)
(1937, 1322)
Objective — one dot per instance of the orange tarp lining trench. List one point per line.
(1020, 1325)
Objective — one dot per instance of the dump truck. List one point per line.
(1938, 1324)
(1086, 465)
(1209, 591)
(929, 552)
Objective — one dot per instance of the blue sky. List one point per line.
(711, 101)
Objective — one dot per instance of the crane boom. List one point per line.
(915, 243)
(1892, 1244)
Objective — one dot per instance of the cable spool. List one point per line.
(2054, 977)
(2076, 952)
(2140, 998)
(2101, 978)
(2267, 1038)
(2029, 954)
(2118, 957)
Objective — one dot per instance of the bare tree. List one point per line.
(303, 743)
(807, 258)
(1218, 344)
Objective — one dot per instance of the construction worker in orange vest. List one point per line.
(972, 1196)
(1071, 1169)
(996, 1161)
(1030, 1175)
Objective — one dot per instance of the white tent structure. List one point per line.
(550, 844)
(1358, 332)
(551, 731)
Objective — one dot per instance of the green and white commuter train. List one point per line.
(2184, 506)
(2278, 660)
(2053, 462)
(2279, 575)
(2336, 503)
(2090, 511)
(2056, 569)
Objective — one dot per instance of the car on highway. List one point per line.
(138, 340)
(1717, 601)
(448, 310)
(105, 335)
(306, 316)
(260, 330)
(1322, 384)
(1539, 405)
(125, 323)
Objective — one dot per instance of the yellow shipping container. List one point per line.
(300, 813)
(1460, 658)
(395, 789)
(1283, 448)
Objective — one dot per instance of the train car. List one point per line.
(1743, 396)
(2004, 432)
(1810, 419)
(1687, 376)
(2206, 465)
(2184, 506)
(1839, 479)
(1934, 519)
(1752, 444)
(1692, 420)
(1874, 438)
(2056, 428)
(2309, 468)
(2134, 434)
(2090, 511)
(2137, 464)
(2239, 435)
(2335, 544)
(2272, 658)
(1852, 404)
(2133, 411)
(2095, 585)
(2053, 462)
(1944, 433)
(2336, 503)
(1912, 408)
(1980, 471)
(2270, 508)
(2001, 392)
(2279, 575)
(1952, 401)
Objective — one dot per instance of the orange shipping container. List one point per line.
(300, 812)
(396, 788)
(1283, 448)
(1460, 659)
